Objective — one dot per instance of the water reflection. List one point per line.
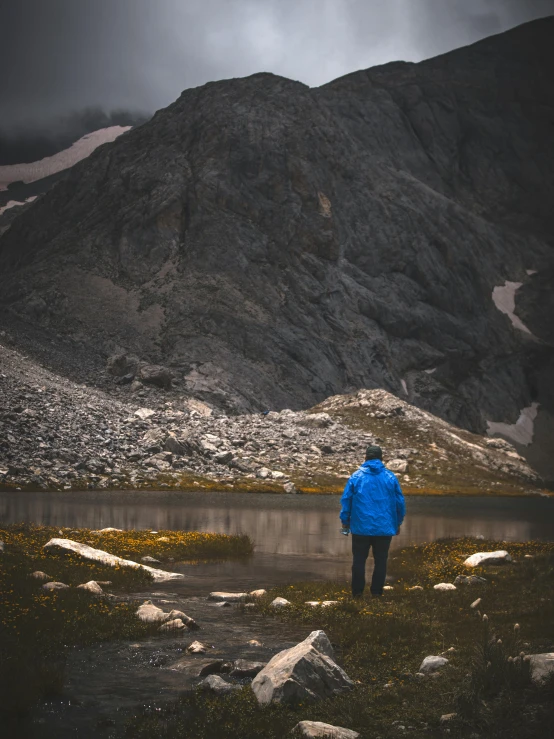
(307, 526)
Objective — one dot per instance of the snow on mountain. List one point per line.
(60, 161)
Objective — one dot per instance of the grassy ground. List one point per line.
(38, 627)
(381, 643)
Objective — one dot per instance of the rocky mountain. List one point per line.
(274, 244)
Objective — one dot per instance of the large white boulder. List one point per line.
(97, 555)
(542, 666)
(280, 603)
(319, 730)
(304, 672)
(444, 586)
(480, 559)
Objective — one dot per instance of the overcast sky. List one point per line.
(57, 56)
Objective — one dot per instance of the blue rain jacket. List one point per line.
(372, 502)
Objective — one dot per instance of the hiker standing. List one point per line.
(372, 511)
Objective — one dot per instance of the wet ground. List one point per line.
(296, 538)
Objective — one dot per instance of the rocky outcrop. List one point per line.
(304, 672)
(274, 244)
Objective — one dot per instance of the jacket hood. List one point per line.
(372, 466)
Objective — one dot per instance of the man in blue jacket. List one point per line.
(372, 510)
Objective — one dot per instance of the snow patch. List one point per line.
(521, 432)
(430, 371)
(504, 297)
(531, 272)
(404, 386)
(15, 203)
(81, 149)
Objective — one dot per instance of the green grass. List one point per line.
(37, 627)
(383, 641)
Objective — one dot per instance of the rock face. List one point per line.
(481, 559)
(275, 244)
(97, 555)
(304, 672)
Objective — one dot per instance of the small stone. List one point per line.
(280, 603)
(444, 586)
(263, 473)
(144, 413)
(388, 587)
(38, 575)
(50, 586)
(187, 620)
(150, 560)
(254, 643)
(217, 685)
(415, 587)
(446, 717)
(258, 593)
(432, 664)
(223, 457)
(196, 648)
(92, 587)
(312, 603)
(290, 488)
(476, 603)
(175, 624)
(398, 465)
(244, 668)
(319, 730)
(469, 580)
(229, 597)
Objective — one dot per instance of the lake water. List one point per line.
(296, 536)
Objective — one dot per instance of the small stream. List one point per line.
(296, 538)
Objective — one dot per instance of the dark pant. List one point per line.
(360, 551)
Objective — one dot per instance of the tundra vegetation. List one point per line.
(381, 644)
(38, 627)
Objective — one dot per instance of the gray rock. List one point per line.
(122, 364)
(156, 375)
(228, 597)
(482, 559)
(444, 586)
(91, 587)
(290, 488)
(432, 664)
(51, 586)
(280, 603)
(39, 575)
(304, 672)
(469, 580)
(542, 666)
(187, 620)
(223, 457)
(319, 730)
(217, 685)
(172, 625)
(214, 667)
(150, 560)
(398, 465)
(197, 647)
(245, 668)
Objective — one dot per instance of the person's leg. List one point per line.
(380, 545)
(360, 551)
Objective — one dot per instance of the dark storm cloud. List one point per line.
(61, 55)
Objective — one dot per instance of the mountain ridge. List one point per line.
(277, 244)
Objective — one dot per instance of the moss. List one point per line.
(38, 627)
(383, 641)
